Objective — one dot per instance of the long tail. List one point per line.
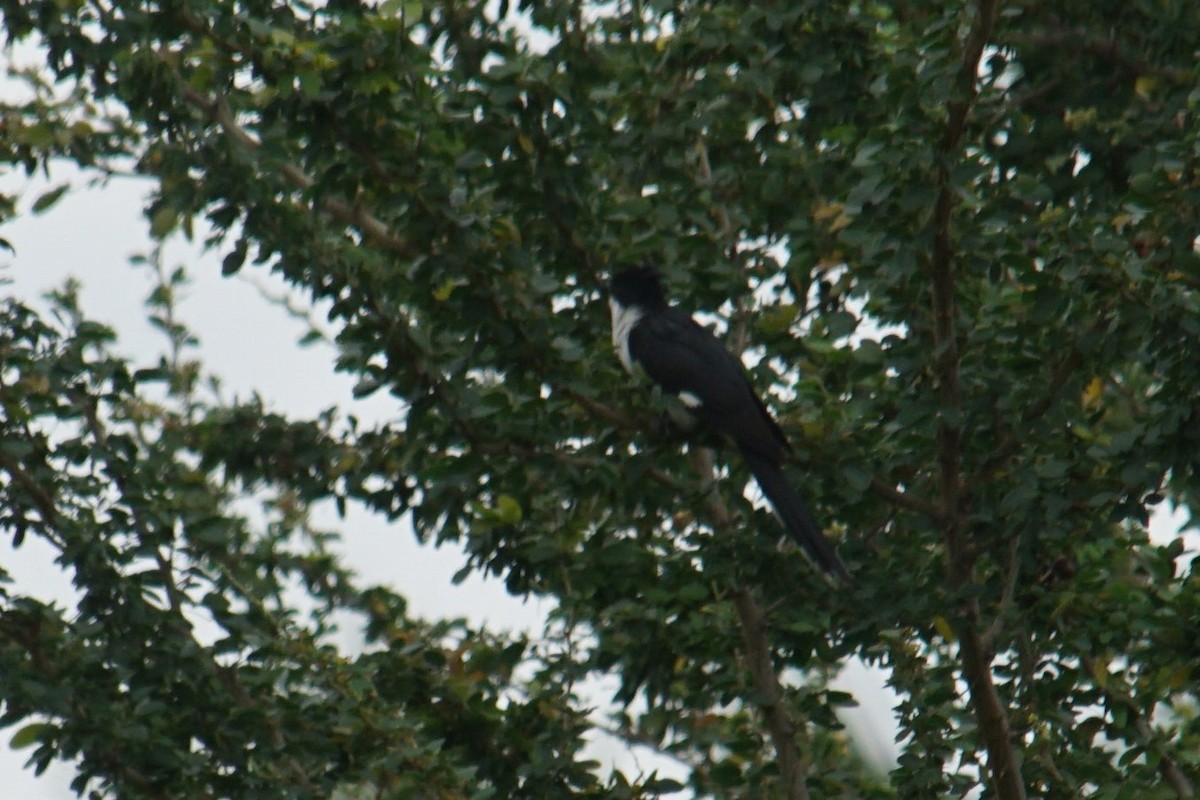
(794, 514)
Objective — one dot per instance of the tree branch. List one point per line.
(600, 410)
(42, 498)
(1008, 595)
(989, 709)
(1059, 36)
(1003, 764)
(719, 211)
(907, 500)
(371, 227)
(631, 737)
(793, 765)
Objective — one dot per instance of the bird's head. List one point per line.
(638, 287)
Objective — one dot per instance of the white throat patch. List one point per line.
(623, 320)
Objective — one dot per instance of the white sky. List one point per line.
(251, 344)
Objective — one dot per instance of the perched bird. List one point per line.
(687, 361)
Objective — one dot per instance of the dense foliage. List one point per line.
(960, 239)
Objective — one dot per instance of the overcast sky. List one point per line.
(252, 344)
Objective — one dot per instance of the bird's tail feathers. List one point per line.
(794, 514)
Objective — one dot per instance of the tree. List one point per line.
(965, 234)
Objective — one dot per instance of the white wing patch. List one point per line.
(623, 320)
(690, 399)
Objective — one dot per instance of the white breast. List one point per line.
(623, 320)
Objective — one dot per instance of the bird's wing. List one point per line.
(685, 359)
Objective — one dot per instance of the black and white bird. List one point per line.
(689, 362)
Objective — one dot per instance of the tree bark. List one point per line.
(1003, 763)
(793, 765)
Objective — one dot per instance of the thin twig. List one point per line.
(601, 410)
(374, 229)
(1006, 599)
(907, 500)
(43, 500)
(635, 738)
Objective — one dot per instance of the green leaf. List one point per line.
(777, 319)
(152, 375)
(47, 199)
(869, 352)
(312, 336)
(856, 477)
(367, 386)
(661, 786)
(471, 159)
(235, 259)
(508, 510)
(89, 331)
(30, 735)
(40, 135)
(310, 82)
(163, 221)
(443, 292)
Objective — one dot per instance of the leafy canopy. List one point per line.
(960, 238)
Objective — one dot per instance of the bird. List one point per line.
(688, 362)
